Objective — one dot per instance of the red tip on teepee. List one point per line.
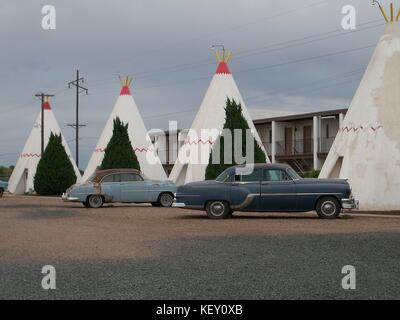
(125, 91)
(126, 82)
(46, 105)
(223, 68)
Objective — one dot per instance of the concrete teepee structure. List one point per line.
(211, 115)
(125, 108)
(22, 177)
(366, 150)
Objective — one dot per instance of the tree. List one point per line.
(119, 153)
(234, 119)
(54, 173)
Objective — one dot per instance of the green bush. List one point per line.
(234, 119)
(119, 153)
(311, 174)
(54, 173)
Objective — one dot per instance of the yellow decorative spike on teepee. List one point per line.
(226, 56)
(217, 56)
(387, 18)
(125, 81)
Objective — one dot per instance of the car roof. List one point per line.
(266, 166)
(100, 174)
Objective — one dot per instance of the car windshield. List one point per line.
(223, 176)
(293, 174)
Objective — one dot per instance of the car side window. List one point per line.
(275, 175)
(139, 177)
(111, 178)
(129, 177)
(252, 177)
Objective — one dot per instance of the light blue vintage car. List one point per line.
(3, 187)
(121, 185)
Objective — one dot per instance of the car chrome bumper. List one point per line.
(178, 205)
(66, 197)
(350, 203)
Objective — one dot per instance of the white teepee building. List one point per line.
(366, 150)
(125, 108)
(211, 116)
(21, 180)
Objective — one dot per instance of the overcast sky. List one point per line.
(287, 55)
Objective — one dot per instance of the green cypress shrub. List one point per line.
(234, 119)
(54, 173)
(119, 153)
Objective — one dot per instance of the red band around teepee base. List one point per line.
(200, 141)
(125, 91)
(223, 68)
(29, 155)
(135, 150)
(361, 128)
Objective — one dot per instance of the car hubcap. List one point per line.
(328, 208)
(95, 201)
(217, 208)
(166, 200)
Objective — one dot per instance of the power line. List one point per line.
(306, 59)
(77, 126)
(8, 154)
(307, 85)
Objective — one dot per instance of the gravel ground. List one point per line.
(139, 252)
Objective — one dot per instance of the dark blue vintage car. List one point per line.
(266, 187)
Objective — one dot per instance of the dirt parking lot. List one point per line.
(137, 251)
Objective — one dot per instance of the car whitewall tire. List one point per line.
(218, 209)
(95, 201)
(328, 208)
(166, 200)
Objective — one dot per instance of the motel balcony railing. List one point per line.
(299, 146)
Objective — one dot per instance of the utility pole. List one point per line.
(42, 96)
(77, 126)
